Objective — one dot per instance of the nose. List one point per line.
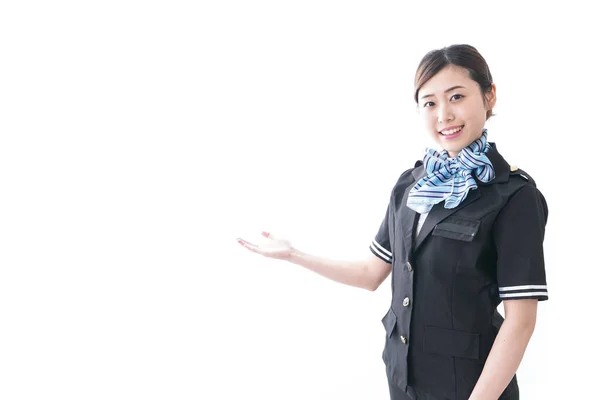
(444, 113)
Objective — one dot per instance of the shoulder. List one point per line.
(524, 192)
(520, 179)
(408, 177)
(519, 174)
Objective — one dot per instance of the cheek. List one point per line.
(428, 119)
(474, 112)
(463, 113)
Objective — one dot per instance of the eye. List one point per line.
(429, 102)
(455, 95)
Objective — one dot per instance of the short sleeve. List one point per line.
(380, 246)
(518, 236)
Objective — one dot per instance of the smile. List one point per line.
(452, 133)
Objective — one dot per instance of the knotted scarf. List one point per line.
(449, 179)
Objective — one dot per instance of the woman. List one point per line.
(463, 232)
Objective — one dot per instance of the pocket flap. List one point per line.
(389, 322)
(449, 342)
(457, 228)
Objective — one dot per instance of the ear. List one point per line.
(490, 97)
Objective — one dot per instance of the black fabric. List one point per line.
(381, 246)
(457, 228)
(510, 393)
(455, 273)
(448, 342)
(518, 234)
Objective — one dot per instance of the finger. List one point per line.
(255, 249)
(248, 245)
(268, 235)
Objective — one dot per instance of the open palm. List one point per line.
(274, 248)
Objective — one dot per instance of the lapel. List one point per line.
(407, 215)
(438, 213)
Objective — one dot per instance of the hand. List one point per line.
(273, 248)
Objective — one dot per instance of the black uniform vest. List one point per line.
(443, 319)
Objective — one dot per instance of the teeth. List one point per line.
(452, 131)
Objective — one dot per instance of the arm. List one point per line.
(508, 349)
(367, 274)
(518, 235)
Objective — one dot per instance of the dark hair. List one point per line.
(462, 55)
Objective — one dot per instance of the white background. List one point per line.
(139, 139)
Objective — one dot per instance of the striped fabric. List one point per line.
(381, 252)
(450, 179)
(523, 292)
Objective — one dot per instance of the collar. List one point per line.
(501, 167)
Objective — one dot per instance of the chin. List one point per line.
(452, 150)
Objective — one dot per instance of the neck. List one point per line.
(454, 154)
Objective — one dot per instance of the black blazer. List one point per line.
(448, 281)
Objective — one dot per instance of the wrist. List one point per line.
(294, 255)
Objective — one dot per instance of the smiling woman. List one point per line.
(452, 88)
(463, 232)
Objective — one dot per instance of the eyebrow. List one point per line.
(445, 91)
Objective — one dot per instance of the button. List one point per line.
(409, 267)
(403, 339)
(406, 302)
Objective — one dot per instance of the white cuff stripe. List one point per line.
(389, 253)
(536, 294)
(385, 257)
(523, 287)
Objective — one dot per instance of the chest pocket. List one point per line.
(457, 228)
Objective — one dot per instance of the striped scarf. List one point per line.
(450, 179)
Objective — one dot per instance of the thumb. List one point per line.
(268, 235)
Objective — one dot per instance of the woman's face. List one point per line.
(452, 108)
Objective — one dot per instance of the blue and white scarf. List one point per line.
(450, 179)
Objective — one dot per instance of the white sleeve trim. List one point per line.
(523, 291)
(383, 256)
(523, 294)
(522, 287)
(389, 253)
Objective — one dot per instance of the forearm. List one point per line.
(353, 273)
(503, 360)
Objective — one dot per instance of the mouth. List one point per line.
(451, 133)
